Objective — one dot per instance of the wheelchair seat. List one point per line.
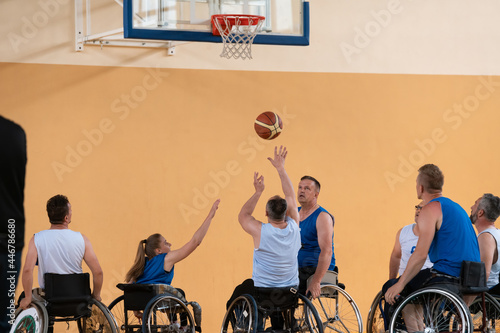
(473, 278)
(67, 294)
(137, 296)
(163, 307)
(276, 299)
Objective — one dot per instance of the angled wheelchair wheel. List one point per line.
(485, 317)
(307, 318)
(375, 323)
(126, 323)
(337, 310)
(99, 321)
(32, 320)
(167, 314)
(241, 316)
(431, 310)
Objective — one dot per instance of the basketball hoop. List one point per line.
(237, 32)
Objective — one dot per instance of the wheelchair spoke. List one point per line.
(168, 314)
(98, 322)
(338, 311)
(432, 311)
(241, 316)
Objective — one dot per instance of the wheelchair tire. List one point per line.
(375, 323)
(337, 310)
(490, 313)
(100, 321)
(32, 320)
(432, 309)
(241, 316)
(307, 317)
(124, 324)
(166, 314)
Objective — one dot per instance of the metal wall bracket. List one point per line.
(111, 37)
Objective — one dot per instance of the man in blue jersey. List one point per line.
(316, 255)
(446, 235)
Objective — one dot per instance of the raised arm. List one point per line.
(286, 184)
(251, 225)
(175, 256)
(27, 278)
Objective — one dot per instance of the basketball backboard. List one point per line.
(286, 23)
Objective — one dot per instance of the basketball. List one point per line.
(268, 125)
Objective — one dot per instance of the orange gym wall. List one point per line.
(140, 151)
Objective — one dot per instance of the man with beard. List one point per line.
(484, 213)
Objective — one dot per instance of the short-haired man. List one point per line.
(405, 244)
(316, 255)
(59, 250)
(446, 235)
(277, 242)
(484, 213)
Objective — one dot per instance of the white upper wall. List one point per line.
(356, 36)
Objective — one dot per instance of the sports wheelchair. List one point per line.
(336, 308)
(434, 309)
(154, 308)
(66, 298)
(279, 310)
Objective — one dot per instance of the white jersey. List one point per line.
(275, 261)
(408, 241)
(495, 267)
(60, 251)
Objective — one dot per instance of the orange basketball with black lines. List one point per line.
(268, 125)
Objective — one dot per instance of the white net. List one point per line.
(238, 33)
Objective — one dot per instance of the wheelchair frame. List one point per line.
(242, 316)
(483, 315)
(337, 309)
(91, 315)
(160, 312)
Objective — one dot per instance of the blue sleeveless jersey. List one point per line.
(455, 241)
(154, 273)
(309, 252)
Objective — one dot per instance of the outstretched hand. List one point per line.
(279, 157)
(258, 182)
(214, 208)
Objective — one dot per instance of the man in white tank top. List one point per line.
(405, 244)
(484, 213)
(406, 241)
(277, 242)
(59, 250)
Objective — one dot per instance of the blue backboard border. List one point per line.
(202, 36)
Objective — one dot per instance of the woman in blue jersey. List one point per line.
(155, 260)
